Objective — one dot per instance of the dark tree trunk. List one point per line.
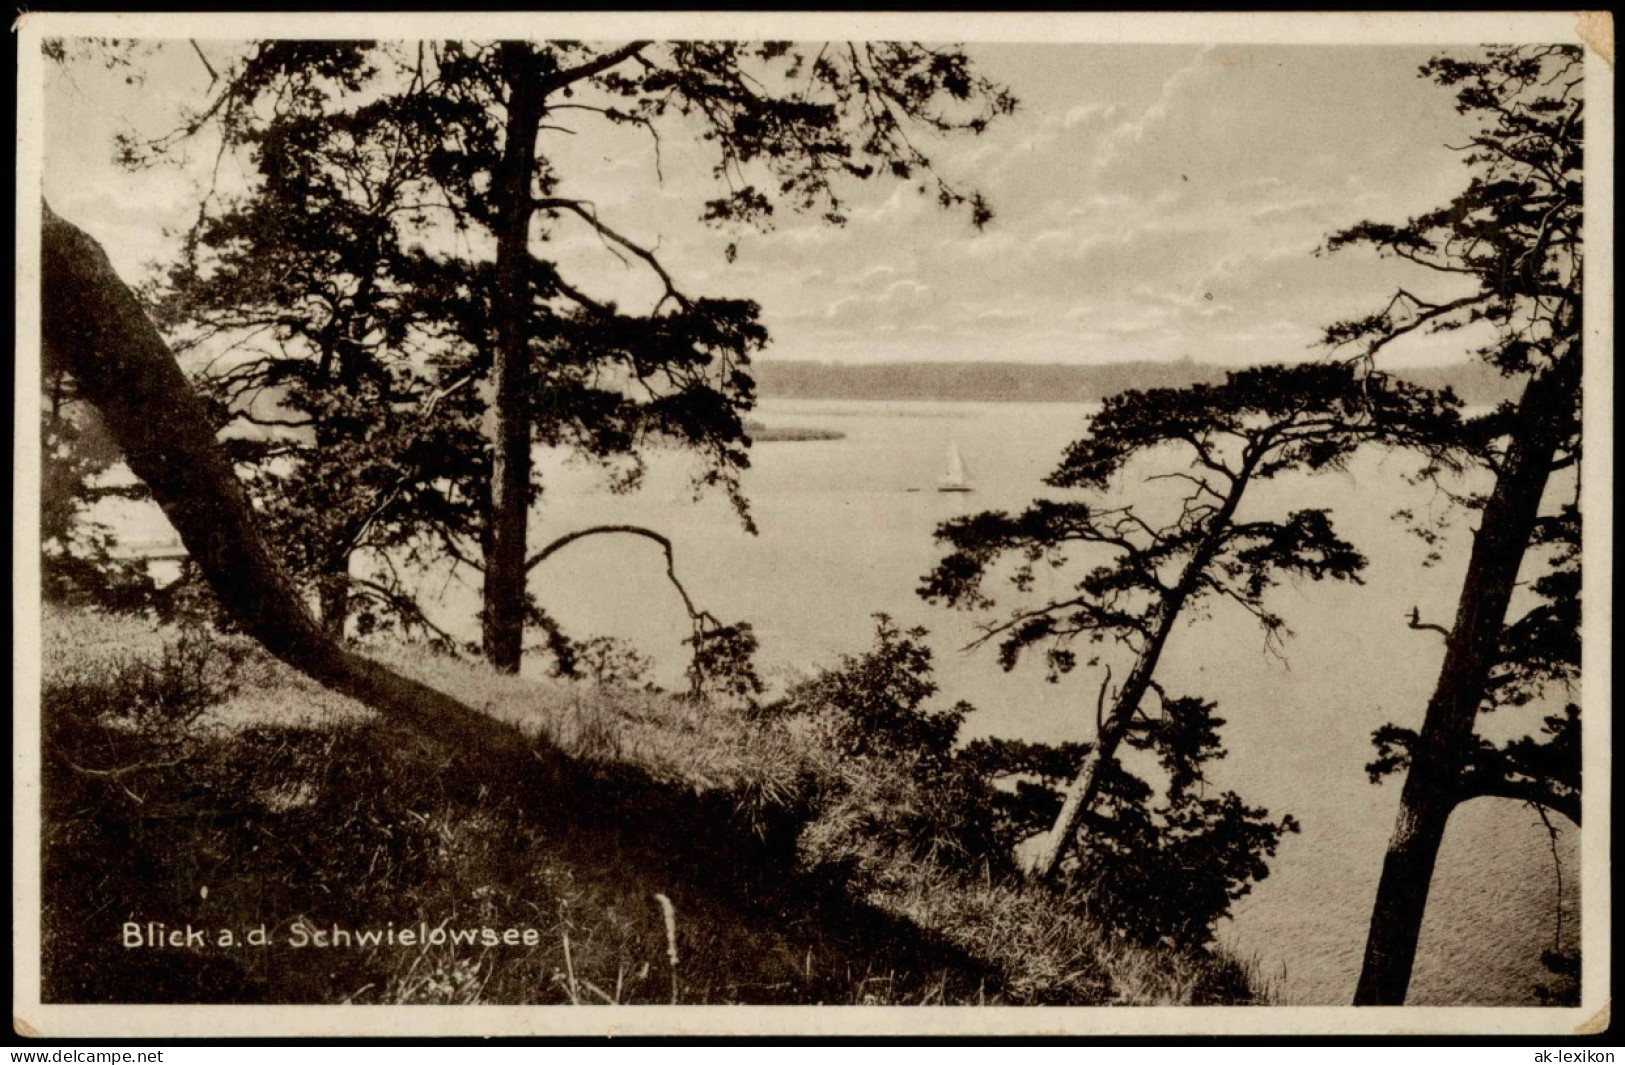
(504, 617)
(1432, 788)
(333, 592)
(93, 327)
(329, 557)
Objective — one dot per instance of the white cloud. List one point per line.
(1133, 182)
(1084, 114)
(881, 307)
(1134, 130)
(870, 275)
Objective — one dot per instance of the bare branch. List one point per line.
(1414, 621)
(115, 774)
(214, 76)
(695, 614)
(591, 216)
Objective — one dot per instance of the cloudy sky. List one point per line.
(1152, 202)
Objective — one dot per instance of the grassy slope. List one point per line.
(291, 803)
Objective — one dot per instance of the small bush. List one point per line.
(1155, 867)
(722, 664)
(605, 660)
(903, 787)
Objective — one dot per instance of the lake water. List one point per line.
(846, 530)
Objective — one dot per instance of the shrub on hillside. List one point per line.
(608, 661)
(903, 786)
(1157, 865)
(722, 665)
(1165, 867)
(110, 718)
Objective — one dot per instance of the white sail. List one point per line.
(957, 479)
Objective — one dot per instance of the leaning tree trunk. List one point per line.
(1080, 795)
(1431, 788)
(504, 618)
(1085, 786)
(93, 327)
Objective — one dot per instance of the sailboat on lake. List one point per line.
(956, 479)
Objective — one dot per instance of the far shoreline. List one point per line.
(775, 434)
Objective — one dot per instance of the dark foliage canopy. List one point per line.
(1209, 442)
(1510, 244)
(352, 314)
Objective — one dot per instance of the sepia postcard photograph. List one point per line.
(752, 524)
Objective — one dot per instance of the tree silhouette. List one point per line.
(383, 150)
(1152, 561)
(1507, 253)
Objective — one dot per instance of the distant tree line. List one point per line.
(1474, 383)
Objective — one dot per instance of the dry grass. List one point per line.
(1045, 946)
(755, 833)
(674, 740)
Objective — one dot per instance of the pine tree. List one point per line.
(1144, 571)
(1508, 253)
(369, 153)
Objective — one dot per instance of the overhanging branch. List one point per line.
(700, 618)
(1490, 785)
